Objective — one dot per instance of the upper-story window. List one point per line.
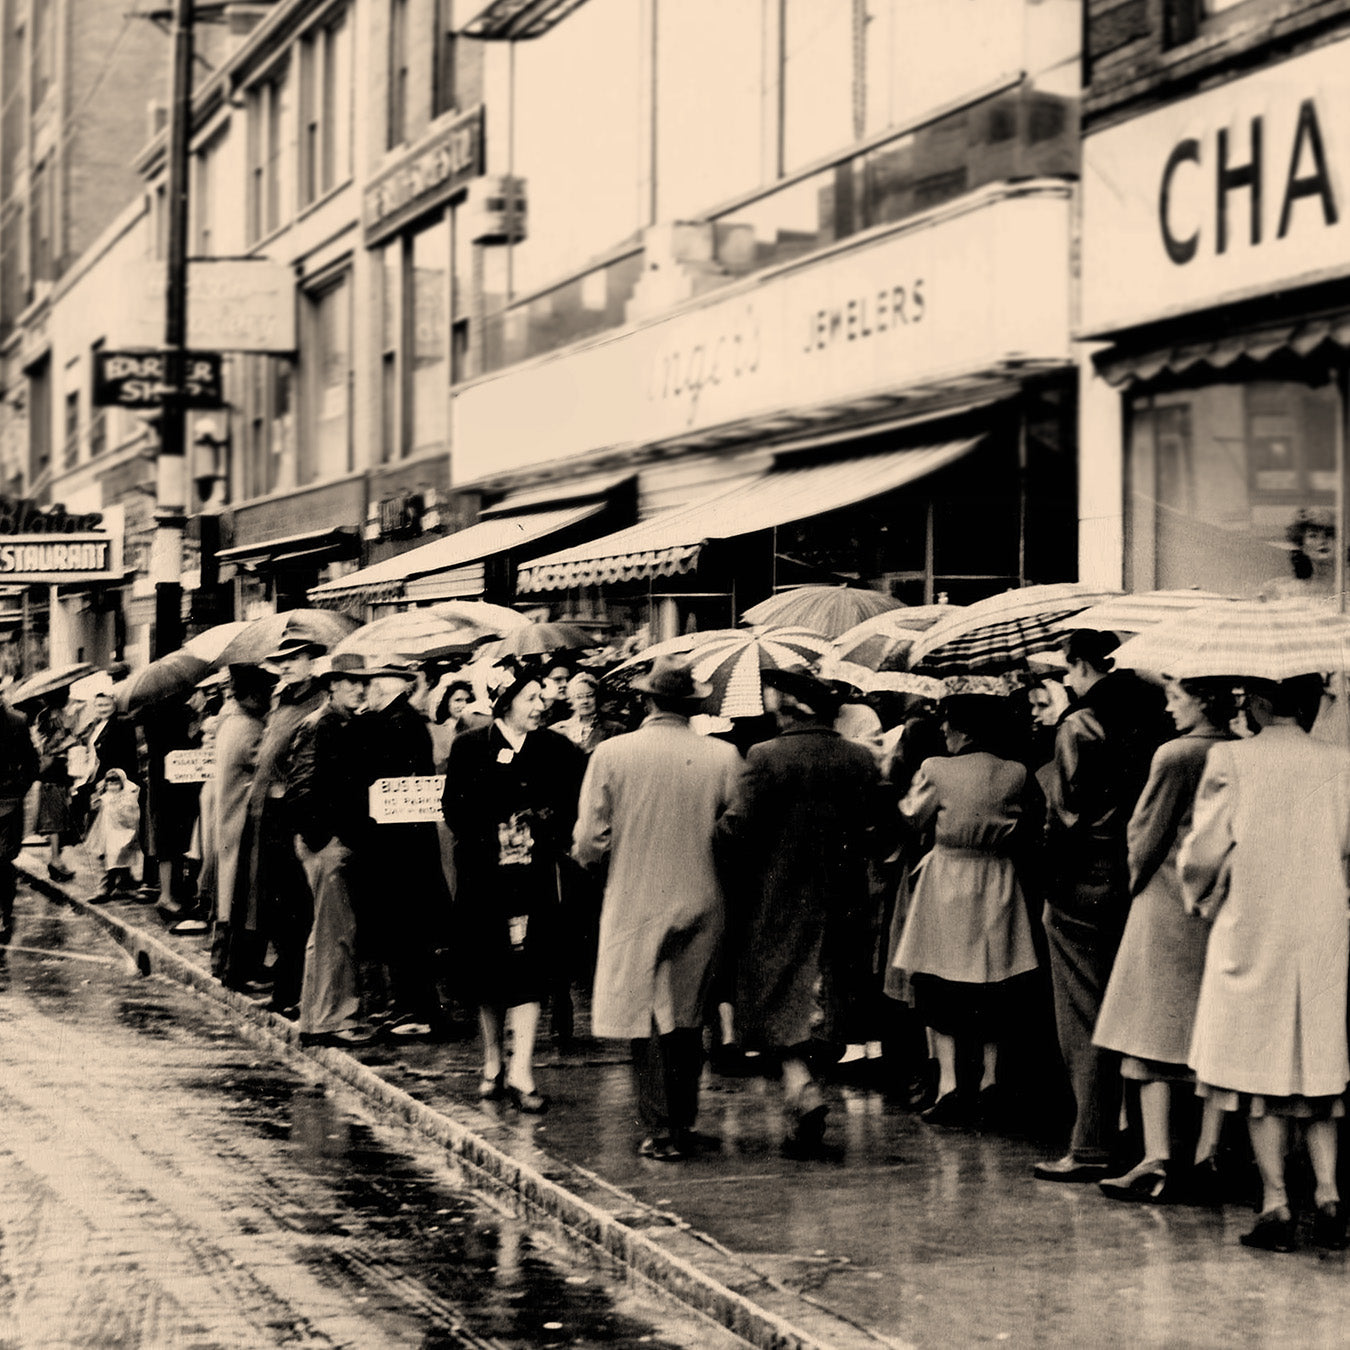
(325, 109)
(270, 154)
(42, 67)
(326, 364)
(40, 224)
(70, 454)
(1184, 20)
(443, 92)
(398, 115)
(202, 201)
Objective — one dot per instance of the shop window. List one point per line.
(269, 419)
(1233, 488)
(326, 365)
(325, 109)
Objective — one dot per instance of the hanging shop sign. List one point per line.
(426, 176)
(233, 305)
(1229, 194)
(153, 379)
(961, 291)
(50, 544)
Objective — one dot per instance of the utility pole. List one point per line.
(166, 557)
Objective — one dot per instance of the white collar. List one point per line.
(513, 738)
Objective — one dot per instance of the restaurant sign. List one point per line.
(47, 544)
(1235, 192)
(428, 175)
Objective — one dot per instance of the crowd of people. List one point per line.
(1085, 889)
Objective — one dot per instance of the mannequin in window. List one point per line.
(1312, 559)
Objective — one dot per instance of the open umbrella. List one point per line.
(164, 680)
(543, 639)
(830, 610)
(1269, 640)
(1005, 629)
(1138, 613)
(498, 618)
(47, 682)
(883, 640)
(420, 634)
(209, 644)
(252, 644)
(731, 660)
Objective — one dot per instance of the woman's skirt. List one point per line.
(53, 810)
(979, 1012)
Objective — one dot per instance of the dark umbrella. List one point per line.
(47, 682)
(542, 639)
(170, 677)
(252, 646)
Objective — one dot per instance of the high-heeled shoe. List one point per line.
(492, 1089)
(529, 1103)
(949, 1109)
(1274, 1231)
(1144, 1184)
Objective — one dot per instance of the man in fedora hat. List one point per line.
(326, 796)
(650, 801)
(414, 910)
(272, 900)
(795, 841)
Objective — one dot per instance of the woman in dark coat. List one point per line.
(54, 735)
(1148, 1012)
(510, 802)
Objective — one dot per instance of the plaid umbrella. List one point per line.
(731, 659)
(257, 638)
(420, 634)
(1269, 640)
(830, 610)
(884, 641)
(1005, 629)
(1138, 613)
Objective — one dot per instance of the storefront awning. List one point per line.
(1136, 363)
(669, 544)
(312, 547)
(393, 577)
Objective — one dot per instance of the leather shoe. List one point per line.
(1145, 1184)
(660, 1149)
(57, 872)
(1274, 1232)
(949, 1109)
(530, 1103)
(1069, 1169)
(1329, 1226)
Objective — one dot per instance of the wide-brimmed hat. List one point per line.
(671, 677)
(346, 666)
(247, 677)
(296, 646)
(823, 697)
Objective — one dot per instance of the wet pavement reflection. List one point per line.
(166, 1184)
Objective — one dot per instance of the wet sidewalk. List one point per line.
(910, 1235)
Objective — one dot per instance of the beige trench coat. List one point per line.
(650, 799)
(1266, 857)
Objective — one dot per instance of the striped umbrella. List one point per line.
(1138, 613)
(884, 640)
(421, 634)
(1263, 639)
(830, 610)
(1005, 629)
(731, 659)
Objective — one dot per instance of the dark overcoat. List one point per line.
(511, 813)
(794, 848)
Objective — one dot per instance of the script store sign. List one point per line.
(48, 544)
(1233, 193)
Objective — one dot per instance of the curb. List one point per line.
(654, 1244)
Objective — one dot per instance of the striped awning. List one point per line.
(447, 558)
(1125, 365)
(670, 544)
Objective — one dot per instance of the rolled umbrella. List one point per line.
(1005, 630)
(883, 641)
(830, 610)
(259, 637)
(1261, 639)
(419, 635)
(47, 682)
(1138, 613)
(732, 660)
(165, 680)
(542, 639)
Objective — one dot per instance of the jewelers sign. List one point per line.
(46, 544)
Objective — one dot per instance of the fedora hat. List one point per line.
(296, 646)
(823, 697)
(246, 676)
(671, 677)
(346, 666)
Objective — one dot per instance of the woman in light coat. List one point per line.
(1266, 862)
(1148, 1012)
(968, 934)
